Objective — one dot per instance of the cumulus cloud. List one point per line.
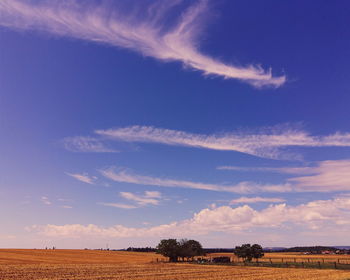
(148, 33)
(268, 142)
(256, 199)
(83, 178)
(86, 145)
(126, 176)
(316, 215)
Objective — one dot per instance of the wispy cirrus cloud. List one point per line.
(45, 200)
(329, 175)
(83, 177)
(268, 142)
(323, 176)
(138, 200)
(256, 199)
(149, 198)
(287, 170)
(126, 176)
(118, 205)
(331, 215)
(85, 144)
(148, 33)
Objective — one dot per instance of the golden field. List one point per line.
(294, 257)
(103, 265)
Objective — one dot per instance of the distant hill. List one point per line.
(342, 247)
(274, 249)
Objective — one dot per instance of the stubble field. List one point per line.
(86, 264)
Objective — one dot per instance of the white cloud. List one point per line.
(83, 178)
(125, 176)
(323, 176)
(119, 205)
(86, 145)
(256, 199)
(146, 32)
(148, 198)
(45, 200)
(331, 215)
(327, 176)
(287, 170)
(153, 194)
(142, 200)
(67, 207)
(65, 199)
(268, 142)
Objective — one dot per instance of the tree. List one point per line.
(169, 248)
(248, 252)
(184, 248)
(190, 248)
(258, 251)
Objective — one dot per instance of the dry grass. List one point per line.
(22, 256)
(78, 264)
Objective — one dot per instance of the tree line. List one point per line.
(188, 249)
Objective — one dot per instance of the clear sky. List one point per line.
(124, 122)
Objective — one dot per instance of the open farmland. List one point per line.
(85, 264)
(293, 257)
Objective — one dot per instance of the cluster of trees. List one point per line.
(184, 248)
(249, 252)
(188, 249)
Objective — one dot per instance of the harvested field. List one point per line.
(294, 257)
(81, 264)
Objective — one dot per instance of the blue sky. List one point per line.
(223, 121)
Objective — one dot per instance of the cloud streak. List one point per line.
(286, 170)
(126, 176)
(148, 198)
(256, 200)
(331, 215)
(83, 178)
(118, 205)
(324, 176)
(45, 200)
(85, 145)
(330, 175)
(149, 35)
(267, 143)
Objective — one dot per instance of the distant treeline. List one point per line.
(141, 249)
(301, 249)
(206, 250)
(313, 249)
